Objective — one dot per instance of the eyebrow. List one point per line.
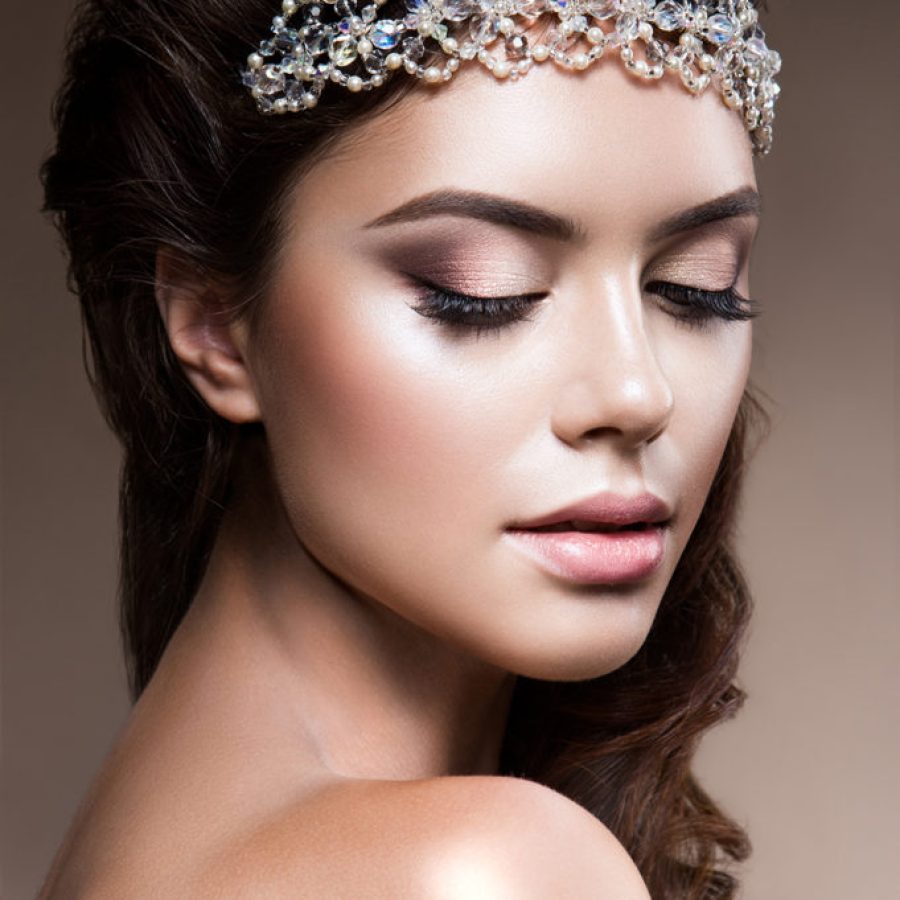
(515, 214)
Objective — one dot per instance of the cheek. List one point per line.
(378, 433)
(710, 386)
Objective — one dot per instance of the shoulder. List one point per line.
(514, 838)
(450, 838)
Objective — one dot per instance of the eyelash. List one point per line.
(466, 313)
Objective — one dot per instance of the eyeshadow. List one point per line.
(470, 259)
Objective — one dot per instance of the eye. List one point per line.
(697, 308)
(466, 314)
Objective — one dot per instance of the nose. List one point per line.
(613, 385)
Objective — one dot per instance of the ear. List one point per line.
(209, 344)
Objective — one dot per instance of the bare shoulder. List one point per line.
(514, 838)
(449, 838)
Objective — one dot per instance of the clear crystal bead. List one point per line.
(627, 27)
(720, 29)
(345, 7)
(316, 40)
(293, 90)
(342, 49)
(756, 47)
(516, 46)
(530, 8)
(487, 29)
(271, 80)
(669, 16)
(457, 10)
(385, 35)
(414, 47)
(374, 64)
(579, 23)
(369, 13)
(601, 9)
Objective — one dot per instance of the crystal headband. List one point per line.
(343, 41)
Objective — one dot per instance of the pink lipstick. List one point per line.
(604, 539)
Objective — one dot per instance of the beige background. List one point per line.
(811, 764)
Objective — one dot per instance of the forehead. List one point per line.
(588, 143)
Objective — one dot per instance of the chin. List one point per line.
(583, 656)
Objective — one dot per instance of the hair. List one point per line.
(159, 145)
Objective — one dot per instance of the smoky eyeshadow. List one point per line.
(464, 260)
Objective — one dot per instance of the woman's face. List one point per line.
(405, 446)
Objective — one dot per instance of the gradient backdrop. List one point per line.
(811, 764)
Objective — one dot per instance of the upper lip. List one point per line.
(607, 508)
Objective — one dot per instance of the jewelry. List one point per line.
(719, 42)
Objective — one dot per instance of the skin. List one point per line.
(349, 658)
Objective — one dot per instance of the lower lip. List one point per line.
(595, 557)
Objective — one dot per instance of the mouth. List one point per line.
(588, 527)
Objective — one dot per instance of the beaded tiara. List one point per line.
(718, 42)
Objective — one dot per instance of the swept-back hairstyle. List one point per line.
(159, 145)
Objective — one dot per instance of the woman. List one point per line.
(433, 395)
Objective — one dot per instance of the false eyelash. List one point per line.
(699, 306)
(467, 313)
(470, 314)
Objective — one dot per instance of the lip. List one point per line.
(607, 508)
(599, 557)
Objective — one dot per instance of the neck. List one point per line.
(368, 693)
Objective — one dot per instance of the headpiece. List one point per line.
(718, 42)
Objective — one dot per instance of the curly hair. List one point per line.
(158, 146)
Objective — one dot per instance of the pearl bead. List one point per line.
(432, 74)
(364, 46)
(502, 68)
(540, 52)
(354, 83)
(595, 34)
(393, 61)
(580, 61)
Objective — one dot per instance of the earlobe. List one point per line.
(209, 344)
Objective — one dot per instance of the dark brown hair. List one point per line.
(160, 145)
